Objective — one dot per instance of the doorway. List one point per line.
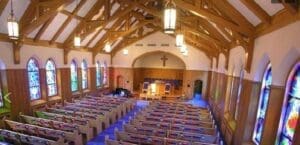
(120, 81)
(198, 89)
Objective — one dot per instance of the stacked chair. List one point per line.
(167, 123)
(71, 123)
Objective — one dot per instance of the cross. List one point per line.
(164, 59)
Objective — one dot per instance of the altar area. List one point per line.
(159, 89)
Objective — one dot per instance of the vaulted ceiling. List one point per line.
(213, 26)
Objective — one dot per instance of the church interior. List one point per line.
(143, 72)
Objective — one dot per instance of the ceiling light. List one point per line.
(169, 17)
(183, 48)
(107, 47)
(77, 41)
(12, 24)
(179, 40)
(125, 51)
(185, 53)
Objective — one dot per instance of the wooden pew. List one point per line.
(19, 138)
(176, 127)
(107, 114)
(71, 131)
(144, 139)
(174, 121)
(85, 126)
(95, 120)
(171, 134)
(47, 133)
(175, 116)
(114, 142)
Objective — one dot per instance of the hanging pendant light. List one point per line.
(169, 17)
(179, 40)
(107, 47)
(77, 39)
(125, 51)
(183, 48)
(12, 24)
(185, 53)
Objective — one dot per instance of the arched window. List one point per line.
(34, 79)
(51, 78)
(262, 105)
(74, 78)
(105, 75)
(84, 72)
(290, 109)
(98, 74)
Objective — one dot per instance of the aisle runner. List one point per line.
(100, 139)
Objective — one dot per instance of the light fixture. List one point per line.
(107, 47)
(169, 17)
(179, 40)
(125, 51)
(12, 24)
(185, 53)
(77, 39)
(183, 48)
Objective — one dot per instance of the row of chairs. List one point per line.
(169, 123)
(69, 123)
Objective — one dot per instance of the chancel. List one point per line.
(143, 72)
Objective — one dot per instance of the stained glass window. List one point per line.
(51, 78)
(98, 74)
(105, 75)
(74, 78)
(291, 109)
(84, 71)
(34, 79)
(262, 105)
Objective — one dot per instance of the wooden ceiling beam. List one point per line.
(257, 10)
(97, 48)
(226, 8)
(43, 29)
(212, 17)
(3, 4)
(66, 22)
(121, 12)
(293, 8)
(34, 16)
(126, 42)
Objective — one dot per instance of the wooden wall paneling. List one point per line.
(92, 79)
(110, 73)
(249, 90)
(17, 83)
(254, 96)
(127, 74)
(189, 78)
(233, 97)
(65, 83)
(228, 93)
(273, 115)
(208, 89)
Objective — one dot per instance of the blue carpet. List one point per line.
(100, 139)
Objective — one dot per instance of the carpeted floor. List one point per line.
(99, 140)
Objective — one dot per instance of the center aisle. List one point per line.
(100, 139)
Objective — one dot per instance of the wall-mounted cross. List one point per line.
(164, 59)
